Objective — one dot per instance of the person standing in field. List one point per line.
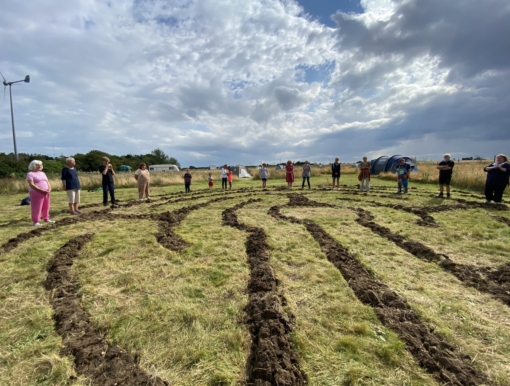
(445, 168)
(306, 174)
(108, 185)
(210, 180)
(187, 181)
(364, 175)
(143, 178)
(224, 173)
(71, 184)
(335, 173)
(403, 170)
(230, 176)
(289, 175)
(263, 175)
(39, 191)
(498, 175)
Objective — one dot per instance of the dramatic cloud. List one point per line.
(241, 82)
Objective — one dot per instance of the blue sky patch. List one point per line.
(323, 9)
(316, 73)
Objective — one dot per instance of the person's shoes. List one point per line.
(398, 192)
(36, 224)
(487, 202)
(49, 221)
(140, 199)
(72, 212)
(440, 195)
(77, 211)
(447, 195)
(148, 198)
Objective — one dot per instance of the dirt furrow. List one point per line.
(439, 358)
(167, 221)
(273, 359)
(494, 281)
(103, 363)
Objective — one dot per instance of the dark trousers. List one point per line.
(108, 188)
(186, 187)
(306, 179)
(494, 193)
(224, 183)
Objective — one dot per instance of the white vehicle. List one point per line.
(163, 168)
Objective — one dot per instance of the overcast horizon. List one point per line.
(214, 82)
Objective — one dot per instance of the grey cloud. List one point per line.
(468, 37)
(288, 98)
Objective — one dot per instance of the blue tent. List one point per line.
(388, 164)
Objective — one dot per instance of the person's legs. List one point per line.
(489, 193)
(368, 184)
(70, 200)
(147, 191)
(141, 187)
(224, 183)
(230, 185)
(105, 195)
(303, 184)
(362, 184)
(112, 192)
(441, 189)
(405, 184)
(498, 194)
(77, 200)
(308, 181)
(36, 204)
(46, 207)
(399, 186)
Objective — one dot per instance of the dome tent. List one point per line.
(388, 164)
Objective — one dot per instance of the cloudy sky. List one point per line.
(246, 81)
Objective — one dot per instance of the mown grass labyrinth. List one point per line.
(257, 287)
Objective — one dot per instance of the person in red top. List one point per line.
(230, 176)
(289, 176)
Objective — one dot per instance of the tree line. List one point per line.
(88, 162)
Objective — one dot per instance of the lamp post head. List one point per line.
(27, 79)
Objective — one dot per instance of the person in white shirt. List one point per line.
(224, 174)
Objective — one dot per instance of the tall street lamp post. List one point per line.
(26, 80)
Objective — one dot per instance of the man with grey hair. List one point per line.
(445, 168)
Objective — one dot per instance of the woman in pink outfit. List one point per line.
(289, 176)
(39, 190)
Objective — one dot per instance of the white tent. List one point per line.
(241, 172)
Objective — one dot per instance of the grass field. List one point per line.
(273, 287)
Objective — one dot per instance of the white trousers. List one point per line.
(364, 181)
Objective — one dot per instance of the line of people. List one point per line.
(498, 177)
